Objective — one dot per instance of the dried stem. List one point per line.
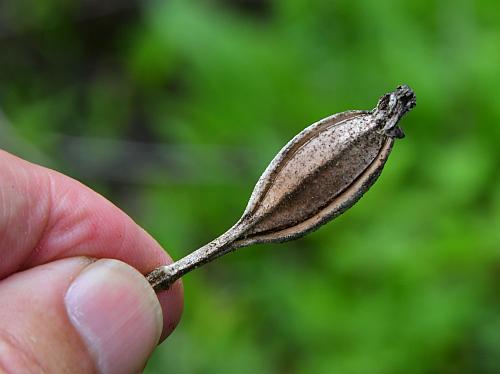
(164, 276)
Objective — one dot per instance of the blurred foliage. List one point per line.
(172, 109)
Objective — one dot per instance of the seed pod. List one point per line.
(317, 176)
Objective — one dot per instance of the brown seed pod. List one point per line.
(317, 176)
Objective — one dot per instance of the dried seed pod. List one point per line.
(317, 176)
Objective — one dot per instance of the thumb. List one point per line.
(79, 316)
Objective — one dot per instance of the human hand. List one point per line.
(61, 309)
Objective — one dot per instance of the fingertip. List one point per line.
(172, 304)
(117, 315)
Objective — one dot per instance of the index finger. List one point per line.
(46, 216)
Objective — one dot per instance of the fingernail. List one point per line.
(117, 314)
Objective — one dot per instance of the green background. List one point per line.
(173, 109)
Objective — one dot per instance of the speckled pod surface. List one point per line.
(317, 176)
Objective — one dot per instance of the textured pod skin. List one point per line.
(317, 176)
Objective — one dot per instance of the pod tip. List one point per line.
(392, 107)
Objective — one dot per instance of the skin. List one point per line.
(52, 230)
